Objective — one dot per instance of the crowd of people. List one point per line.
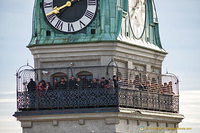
(73, 83)
(103, 83)
(165, 88)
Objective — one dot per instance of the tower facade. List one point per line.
(89, 40)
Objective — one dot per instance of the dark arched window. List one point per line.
(85, 75)
(58, 76)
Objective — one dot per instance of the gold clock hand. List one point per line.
(56, 9)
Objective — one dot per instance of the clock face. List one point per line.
(69, 15)
(137, 17)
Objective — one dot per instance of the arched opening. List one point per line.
(85, 75)
(86, 78)
(58, 76)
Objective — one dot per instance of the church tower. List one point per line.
(102, 60)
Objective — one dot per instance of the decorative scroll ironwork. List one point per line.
(96, 97)
(124, 96)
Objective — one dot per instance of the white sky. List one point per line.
(180, 35)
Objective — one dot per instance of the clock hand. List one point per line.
(56, 9)
(72, 3)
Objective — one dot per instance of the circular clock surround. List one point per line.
(69, 16)
(137, 17)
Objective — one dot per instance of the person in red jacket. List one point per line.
(40, 89)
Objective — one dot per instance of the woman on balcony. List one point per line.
(40, 89)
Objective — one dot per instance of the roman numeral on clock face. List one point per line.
(92, 2)
(51, 17)
(48, 5)
(70, 27)
(81, 24)
(59, 25)
(89, 14)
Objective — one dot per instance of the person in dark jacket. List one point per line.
(62, 84)
(31, 92)
(55, 84)
(31, 86)
(103, 83)
(94, 83)
(115, 81)
(79, 83)
(72, 83)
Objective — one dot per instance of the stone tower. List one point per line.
(91, 39)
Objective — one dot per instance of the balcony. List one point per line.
(96, 98)
(127, 94)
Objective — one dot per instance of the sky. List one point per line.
(180, 37)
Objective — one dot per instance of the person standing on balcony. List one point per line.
(48, 86)
(40, 92)
(120, 82)
(102, 83)
(161, 89)
(62, 84)
(44, 83)
(156, 88)
(170, 87)
(72, 83)
(79, 83)
(31, 92)
(148, 86)
(31, 86)
(55, 84)
(40, 89)
(165, 89)
(115, 81)
(94, 83)
(140, 86)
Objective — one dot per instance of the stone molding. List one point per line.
(110, 117)
(96, 49)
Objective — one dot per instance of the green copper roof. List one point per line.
(111, 23)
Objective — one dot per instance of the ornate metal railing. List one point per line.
(127, 95)
(96, 98)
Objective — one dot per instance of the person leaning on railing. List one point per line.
(48, 86)
(40, 89)
(103, 83)
(62, 84)
(72, 83)
(94, 83)
(79, 83)
(165, 89)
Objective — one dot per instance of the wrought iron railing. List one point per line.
(127, 94)
(96, 98)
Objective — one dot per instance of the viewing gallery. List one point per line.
(76, 87)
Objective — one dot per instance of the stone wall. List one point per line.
(125, 121)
